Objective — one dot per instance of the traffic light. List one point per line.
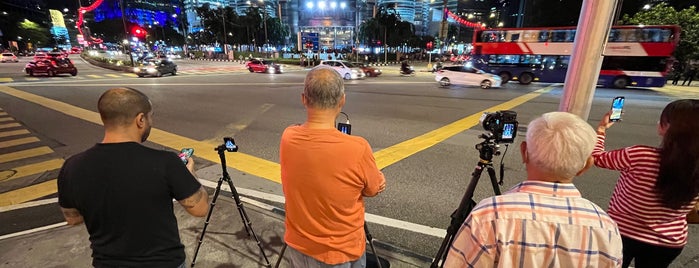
(430, 45)
(138, 32)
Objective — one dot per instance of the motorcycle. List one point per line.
(406, 69)
(438, 66)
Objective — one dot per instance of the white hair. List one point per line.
(560, 143)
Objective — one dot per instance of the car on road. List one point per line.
(346, 69)
(51, 67)
(40, 56)
(368, 70)
(263, 66)
(5, 57)
(155, 67)
(467, 76)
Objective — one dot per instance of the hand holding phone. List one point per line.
(617, 109)
(186, 153)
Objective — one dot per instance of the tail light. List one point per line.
(440, 71)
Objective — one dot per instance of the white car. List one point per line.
(468, 76)
(346, 70)
(5, 57)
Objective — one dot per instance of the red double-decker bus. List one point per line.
(638, 56)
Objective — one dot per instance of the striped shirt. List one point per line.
(635, 204)
(537, 224)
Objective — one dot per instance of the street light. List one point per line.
(225, 36)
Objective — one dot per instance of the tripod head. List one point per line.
(487, 148)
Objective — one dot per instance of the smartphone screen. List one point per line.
(186, 153)
(508, 132)
(344, 128)
(617, 108)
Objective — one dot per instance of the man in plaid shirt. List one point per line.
(543, 221)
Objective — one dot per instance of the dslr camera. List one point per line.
(501, 124)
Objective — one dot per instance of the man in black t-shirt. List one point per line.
(123, 190)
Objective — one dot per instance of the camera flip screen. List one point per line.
(344, 128)
(508, 132)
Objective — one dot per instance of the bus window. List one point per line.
(530, 36)
(613, 36)
(514, 37)
(570, 35)
(560, 36)
(544, 36)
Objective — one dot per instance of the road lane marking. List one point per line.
(10, 125)
(112, 75)
(395, 153)
(15, 142)
(240, 161)
(94, 76)
(6, 79)
(28, 193)
(66, 83)
(29, 204)
(13, 133)
(32, 169)
(5, 119)
(31, 231)
(4, 158)
(3, 113)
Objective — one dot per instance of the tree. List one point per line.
(687, 19)
(32, 32)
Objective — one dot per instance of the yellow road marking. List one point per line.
(16, 142)
(3, 113)
(4, 158)
(13, 133)
(268, 169)
(113, 75)
(6, 79)
(10, 125)
(94, 76)
(395, 153)
(31, 169)
(5, 119)
(28, 193)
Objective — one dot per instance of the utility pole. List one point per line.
(126, 33)
(444, 28)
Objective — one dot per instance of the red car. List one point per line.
(368, 70)
(263, 66)
(51, 67)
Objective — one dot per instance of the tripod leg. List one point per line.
(246, 220)
(494, 180)
(458, 217)
(208, 217)
(281, 255)
(371, 244)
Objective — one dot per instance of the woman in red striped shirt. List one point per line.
(657, 186)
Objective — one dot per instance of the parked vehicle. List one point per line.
(51, 67)
(5, 57)
(468, 76)
(263, 66)
(368, 70)
(346, 70)
(156, 67)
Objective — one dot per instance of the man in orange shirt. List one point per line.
(325, 175)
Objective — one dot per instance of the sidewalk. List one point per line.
(226, 243)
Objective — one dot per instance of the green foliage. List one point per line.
(248, 28)
(388, 28)
(33, 33)
(687, 19)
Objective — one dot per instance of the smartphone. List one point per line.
(229, 142)
(344, 128)
(617, 108)
(185, 153)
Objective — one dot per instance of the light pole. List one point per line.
(264, 22)
(225, 35)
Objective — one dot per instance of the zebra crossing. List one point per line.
(117, 75)
(28, 167)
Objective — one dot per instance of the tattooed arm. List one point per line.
(197, 204)
(72, 216)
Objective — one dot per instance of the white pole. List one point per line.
(586, 59)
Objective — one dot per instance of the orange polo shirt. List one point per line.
(325, 174)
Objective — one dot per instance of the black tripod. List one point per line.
(486, 150)
(230, 146)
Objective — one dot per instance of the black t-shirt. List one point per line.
(124, 192)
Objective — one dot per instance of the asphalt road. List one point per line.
(423, 135)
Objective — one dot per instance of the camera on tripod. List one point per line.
(501, 124)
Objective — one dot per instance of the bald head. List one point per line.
(323, 88)
(119, 106)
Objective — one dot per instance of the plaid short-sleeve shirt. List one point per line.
(537, 224)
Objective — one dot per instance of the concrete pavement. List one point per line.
(226, 243)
